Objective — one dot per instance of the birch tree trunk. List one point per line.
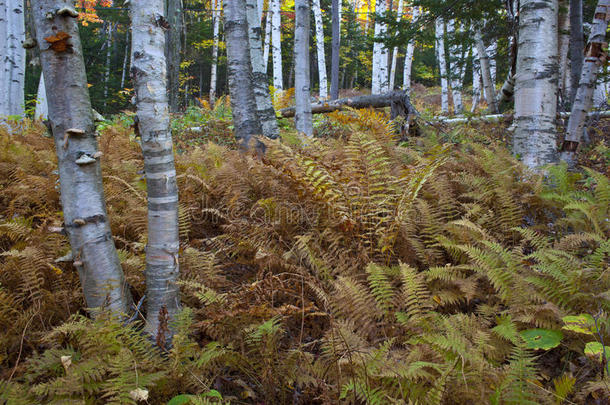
(395, 51)
(455, 70)
(564, 45)
(276, 43)
(303, 119)
(12, 79)
(264, 107)
(406, 77)
(476, 79)
(488, 83)
(80, 176)
(492, 52)
(595, 57)
(536, 84)
(317, 12)
(335, 48)
(42, 107)
(267, 41)
(380, 53)
(149, 78)
(239, 67)
(109, 32)
(577, 46)
(173, 51)
(442, 63)
(216, 29)
(126, 58)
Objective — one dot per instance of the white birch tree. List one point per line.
(476, 79)
(323, 81)
(594, 58)
(442, 63)
(406, 76)
(564, 46)
(303, 118)
(42, 107)
(12, 75)
(276, 44)
(80, 176)
(455, 69)
(267, 41)
(486, 76)
(536, 83)
(380, 53)
(264, 107)
(395, 50)
(149, 75)
(216, 40)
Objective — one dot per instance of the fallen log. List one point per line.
(369, 101)
(508, 117)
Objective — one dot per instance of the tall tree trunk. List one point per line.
(320, 47)
(455, 67)
(42, 107)
(276, 44)
(594, 58)
(267, 42)
(577, 46)
(406, 77)
(488, 83)
(149, 78)
(264, 107)
(12, 76)
(173, 51)
(564, 45)
(109, 32)
(239, 67)
(536, 83)
(303, 120)
(216, 33)
(80, 175)
(476, 79)
(335, 49)
(126, 59)
(492, 53)
(442, 63)
(395, 51)
(380, 53)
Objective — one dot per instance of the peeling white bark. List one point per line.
(82, 195)
(303, 118)
(276, 45)
(476, 79)
(317, 12)
(12, 75)
(264, 107)
(536, 83)
(594, 57)
(442, 63)
(149, 74)
(380, 79)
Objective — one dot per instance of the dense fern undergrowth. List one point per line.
(341, 270)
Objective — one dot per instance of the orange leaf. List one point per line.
(59, 42)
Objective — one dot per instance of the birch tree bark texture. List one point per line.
(260, 85)
(564, 44)
(536, 84)
(148, 73)
(455, 68)
(380, 77)
(216, 29)
(476, 79)
(595, 56)
(303, 118)
(239, 67)
(406, 77)
(323, 81)
(442, 63)
(42, 108)
(395, 50)
(276, 44)
(80, 176)
(488, 83)
(12, 71)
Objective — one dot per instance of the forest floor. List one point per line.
(350, 269)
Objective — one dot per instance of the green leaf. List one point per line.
(583, 323)
(181, 399)
(595, 349)
(544, 339)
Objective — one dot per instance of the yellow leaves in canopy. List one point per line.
(87, 10)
